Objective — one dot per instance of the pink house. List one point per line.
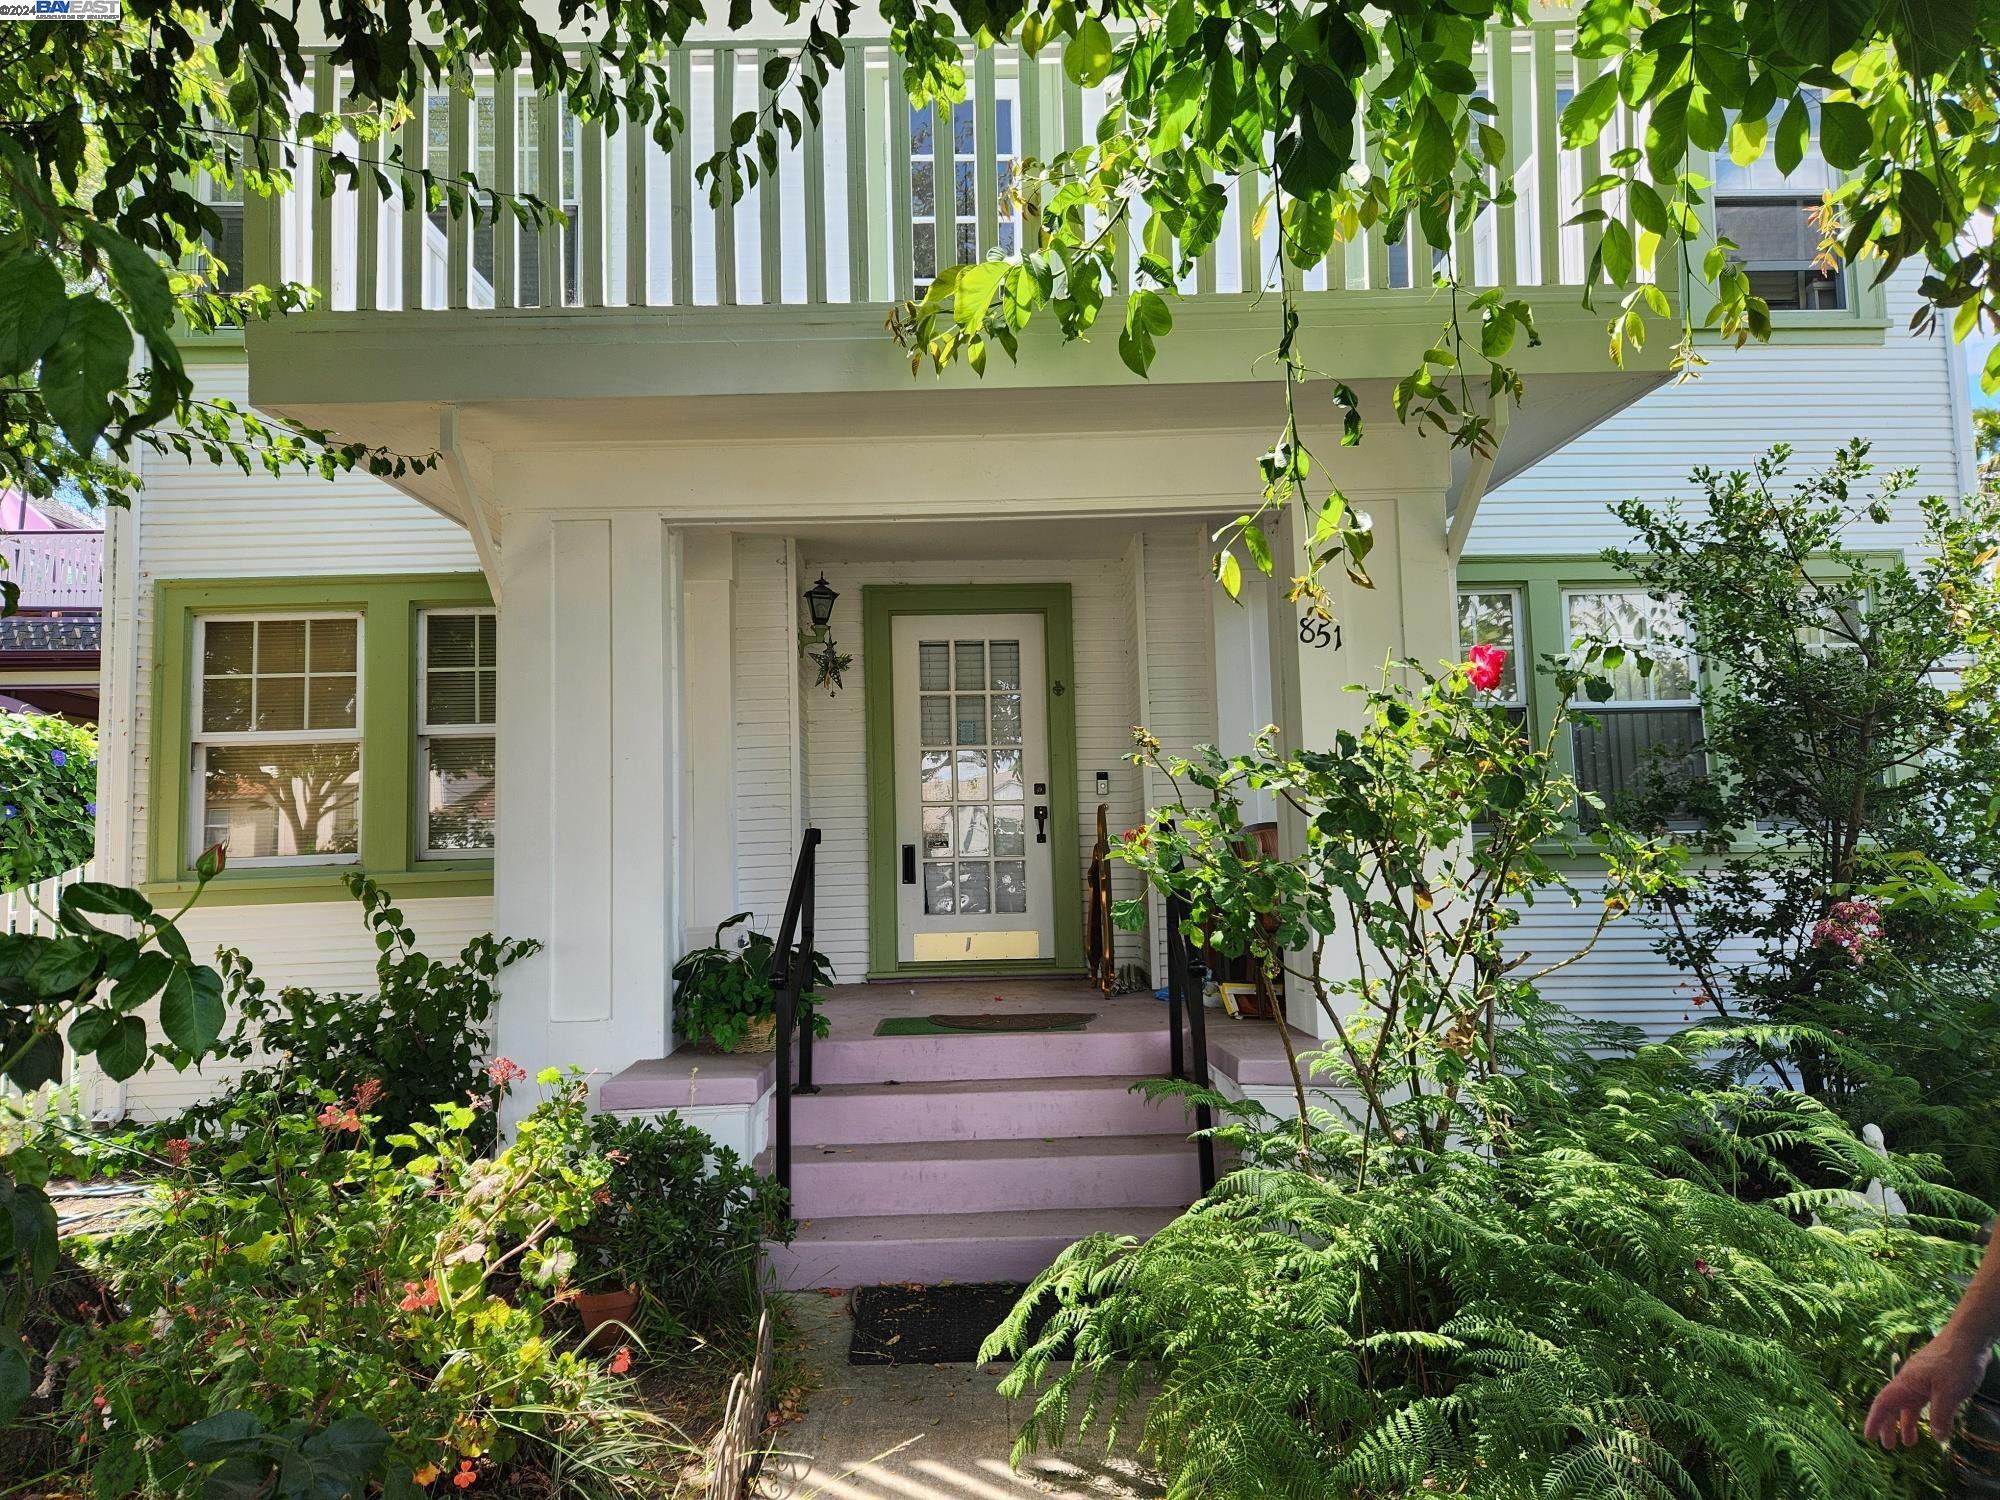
(53, 555)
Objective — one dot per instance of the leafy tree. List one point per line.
(105, 128)
(48, 792)
(1853, 741)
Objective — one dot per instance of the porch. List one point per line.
(968, 1155)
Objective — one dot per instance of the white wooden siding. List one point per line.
(835, 731)
(1901, 396)
(766, 709)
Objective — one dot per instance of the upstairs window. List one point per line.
(457, 712)
(1648, 733)
(1773, 221)
(944, 187)
(276, 765)
(222, 263)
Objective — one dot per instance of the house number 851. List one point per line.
(1316, 633)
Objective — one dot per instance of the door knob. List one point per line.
(1042, 823)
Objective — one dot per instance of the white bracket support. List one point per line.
(1478, 474)
(478, 518)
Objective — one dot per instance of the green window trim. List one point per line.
(1542, 581)
(389, 606)
(880, 604)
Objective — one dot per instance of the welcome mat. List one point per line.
(978, 1021)
(927, 1325)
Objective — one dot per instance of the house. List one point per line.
(54, 555)
(553, 685)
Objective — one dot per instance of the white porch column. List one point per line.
(708, 783)
(1408, 613)
(590, 751)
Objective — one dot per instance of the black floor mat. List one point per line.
(926, 1325)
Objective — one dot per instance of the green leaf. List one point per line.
(140, 277)
(1585, 116)
(1229, 572)
(219, 1436)
(974, 293)
(149, 971)
(89, 1030)
(1794, 135)
(123, 1052)
(1087, 59)
(100, 898)
(32, 309)
(16, 1378)
(88, 363)
(63, 966)
(1818, 31)
(1146, 316)
(191, 1012)
(38, 1063)
(1844, 133)
(1932, 35)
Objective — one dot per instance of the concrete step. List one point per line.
(976, 1109)
(935, 1247)
(1098, 1053)
(976, 1177)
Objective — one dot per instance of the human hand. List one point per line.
(1941, 1376)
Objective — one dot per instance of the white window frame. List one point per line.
(200, 740)
(1799, 188)
(1517, 670)
(1693, 700)
(427, 731)
(944, 184)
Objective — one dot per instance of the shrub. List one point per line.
(420, 1037)
(48, 797)
(721, 992)
(685, 1222)
(1853, 741)
(1497, 1252)
(309, 1314)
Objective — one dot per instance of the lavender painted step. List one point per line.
(866, 1251)
(971, 1177)
(1102, 1051)
(855, 1114)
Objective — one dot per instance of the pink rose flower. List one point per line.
(1485, 666)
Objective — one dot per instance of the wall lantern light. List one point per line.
(819, 600)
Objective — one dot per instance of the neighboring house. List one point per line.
(49, 647)
(553, 686)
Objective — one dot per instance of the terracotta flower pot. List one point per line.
(600, 1308)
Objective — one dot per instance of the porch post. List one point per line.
(590, 749)
(1408, 613)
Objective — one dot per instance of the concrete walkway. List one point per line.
(918, 1432)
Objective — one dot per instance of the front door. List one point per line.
(972, 789)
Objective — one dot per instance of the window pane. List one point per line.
(923, 189)
(934, 720)
(330, 703)
(281, 646)
(451, 698)
(1010, 830)
(1006, 718)
(1006, 776)
(460, 817)
(489, 696)
(975, 889)
(923, 251)
(1003, 126)
(937, 776)
(961, 127)
(225, 704)
(933, 666)
(971, 660)
(972, 775)
(1010, 886)
(333, 643)
(937, 832)
(1634, 752)
(968, 244)
(282, 801)
(939, 890)
(449, 642)
(965, 193)
(281, 704)
(923, 123)
(227, 646)
(1005, 657)
(971, 717)
(974, 831)
(1488, 618)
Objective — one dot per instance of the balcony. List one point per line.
(56, 570)
(647, 289)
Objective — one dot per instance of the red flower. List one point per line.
(1485, 666)
(466, 1477)
(177, 1150)
(621, 1361)
(367, 1094)
(418, 1295)
(333, 1117)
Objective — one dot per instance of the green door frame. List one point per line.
(880, 604)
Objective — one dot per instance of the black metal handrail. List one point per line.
(1187, 977)
(791, 972)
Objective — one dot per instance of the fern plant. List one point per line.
(1496, 1252)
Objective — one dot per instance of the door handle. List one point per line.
(909, 864)
(1042, 823)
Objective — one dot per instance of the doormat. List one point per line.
(928, 1325)
(976, 1022)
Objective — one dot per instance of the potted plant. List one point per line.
(725, 994)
